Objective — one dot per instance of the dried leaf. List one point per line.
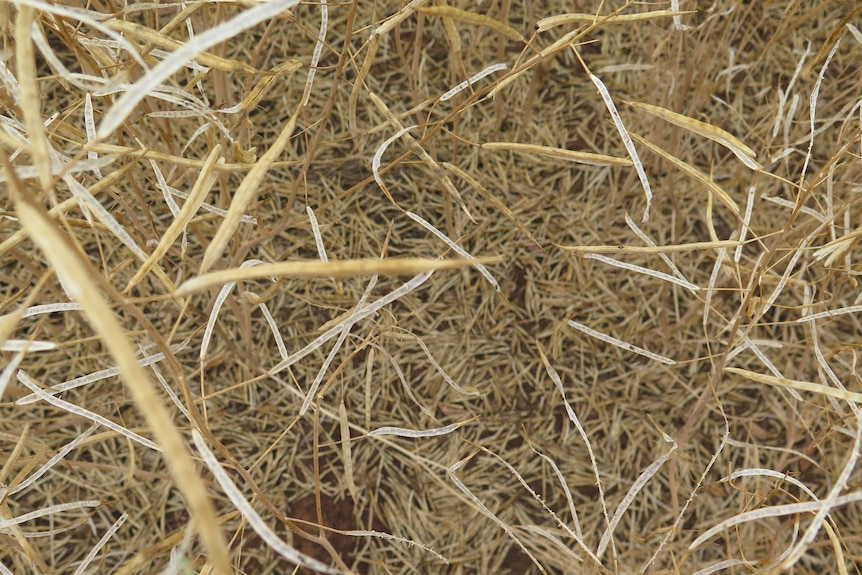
(576, 18)
(156, 38)
(247, 193)
(716, 190)
(745, 154)
(473, 18)
(202, 186)
(315, 268)
(651, 249)
(559, 153)
(851, 396)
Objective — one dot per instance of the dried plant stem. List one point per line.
(77, 275)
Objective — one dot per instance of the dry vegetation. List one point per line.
(494, 287)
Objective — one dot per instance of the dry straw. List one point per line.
(77, 276)
(250, 226)
(311, 269)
